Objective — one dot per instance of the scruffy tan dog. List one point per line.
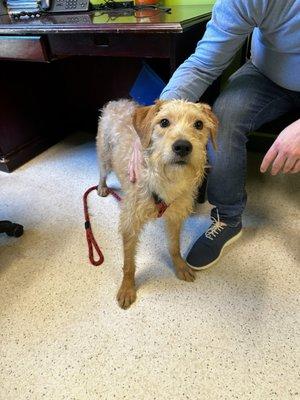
(173, 136)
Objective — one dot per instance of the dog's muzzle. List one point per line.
(182, 148)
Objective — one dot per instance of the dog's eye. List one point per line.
(164, 123)
(198, 124)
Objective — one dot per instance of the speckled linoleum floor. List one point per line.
(232, 334)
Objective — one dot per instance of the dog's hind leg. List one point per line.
(102, 186)
(183, 271)
(104, 162)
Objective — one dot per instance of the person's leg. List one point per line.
(249, 100)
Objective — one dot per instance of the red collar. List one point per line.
(160, 204)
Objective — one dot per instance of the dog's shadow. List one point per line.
(224, 287)
(193, 227)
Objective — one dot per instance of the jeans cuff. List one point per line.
(232, 221)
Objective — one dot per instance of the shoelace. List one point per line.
(216, 227)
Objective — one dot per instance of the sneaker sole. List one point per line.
(233, 239)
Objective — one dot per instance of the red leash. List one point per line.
(91, 241)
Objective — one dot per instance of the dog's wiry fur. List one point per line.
(175, 183)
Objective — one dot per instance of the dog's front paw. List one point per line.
(103, 191)
(185, 273)
(126, 296)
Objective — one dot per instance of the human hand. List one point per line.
(284, 154)
(135, 161)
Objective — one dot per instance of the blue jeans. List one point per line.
(249, 100)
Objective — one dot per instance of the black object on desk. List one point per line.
(59, 6)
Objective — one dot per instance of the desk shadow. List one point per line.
(9, 251)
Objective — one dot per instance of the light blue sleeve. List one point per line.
(232, 21)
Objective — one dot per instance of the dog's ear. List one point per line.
(212, 123)
(142, 121)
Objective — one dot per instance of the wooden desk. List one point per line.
(70, 65)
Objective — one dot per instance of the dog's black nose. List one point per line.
(182, 147)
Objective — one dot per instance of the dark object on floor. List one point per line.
(11, 229)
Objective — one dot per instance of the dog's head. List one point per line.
(175, 132)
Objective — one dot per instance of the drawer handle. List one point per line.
(4, 160)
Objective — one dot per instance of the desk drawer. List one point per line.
(110, 44)
(27, 48)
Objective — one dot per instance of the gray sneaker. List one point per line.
(208, 248)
